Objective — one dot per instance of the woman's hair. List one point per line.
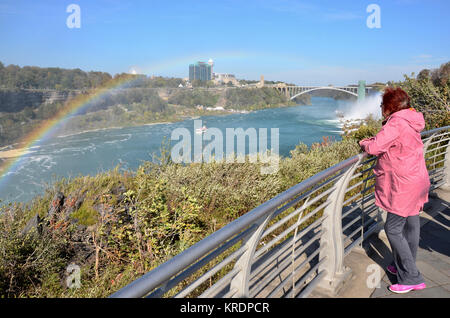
(395, 99)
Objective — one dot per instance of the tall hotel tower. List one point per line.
(201, 71)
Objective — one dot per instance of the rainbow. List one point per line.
(16, 157)
(50, 126)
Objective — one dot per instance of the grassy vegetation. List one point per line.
(258, 98)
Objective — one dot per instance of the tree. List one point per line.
(431, 97)
(441, 76)
(424, 74)
(14, 76)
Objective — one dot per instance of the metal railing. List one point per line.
(291, 244)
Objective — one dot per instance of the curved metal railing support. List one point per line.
(446, 185)
(241, 281)
(332, 239)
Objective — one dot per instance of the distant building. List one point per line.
(223, 78)
(261, 82)
(211, 63)
(200, 71)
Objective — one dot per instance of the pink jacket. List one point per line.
(402, 181)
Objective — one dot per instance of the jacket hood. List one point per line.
(412, 117)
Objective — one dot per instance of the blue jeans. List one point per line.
(403, 234)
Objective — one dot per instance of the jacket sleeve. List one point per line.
(384, 139)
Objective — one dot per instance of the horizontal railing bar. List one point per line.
(287, 245)
(349, 237)
(356, 175)
(193, 268)
(435, 163)
(436, 177)
(162, 273)
(430, 158)
(359, 202)
(370, 177)
(284, 263)
(231, 293)
(354, 186)
(436, 142)
(362, 172)
(308, 273)
(350, 223)
(365, 235)
(368, 221)
(435, 171)
(371, 229)
(288, 230)
(438, 185)
(352, 209)
(442, 153)
(438, 136)
(352, 198)
(295, 213)
(358, 205)
(368, 160)
(212, 271)
(305, 195)
(349, 248)
(368, 188)
(221, 282)
(288, 278)
(433, 131)
(370, 209)
(312, 284)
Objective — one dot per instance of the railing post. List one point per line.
(244, 263)
(427, 144)
(446, 185)
(332, 239)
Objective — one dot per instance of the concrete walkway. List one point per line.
(370, 278)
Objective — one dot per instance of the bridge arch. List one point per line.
(323, 88)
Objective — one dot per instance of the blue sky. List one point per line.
(303, 42)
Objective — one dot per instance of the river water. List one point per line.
(92, 152)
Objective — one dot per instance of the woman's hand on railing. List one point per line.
(363, 143)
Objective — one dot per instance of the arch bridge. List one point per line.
(292, 92)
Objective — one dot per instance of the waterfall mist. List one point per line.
(361, 110)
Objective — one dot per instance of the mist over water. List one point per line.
(361, 110)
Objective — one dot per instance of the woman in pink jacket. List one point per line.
(402, 183)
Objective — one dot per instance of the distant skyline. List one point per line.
(301, 42)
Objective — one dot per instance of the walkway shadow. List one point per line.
(434, 236)
(379, 251)
(434, 233)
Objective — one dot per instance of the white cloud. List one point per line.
(429, 60)
(424, 56)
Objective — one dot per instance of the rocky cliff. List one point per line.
(15, 100)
